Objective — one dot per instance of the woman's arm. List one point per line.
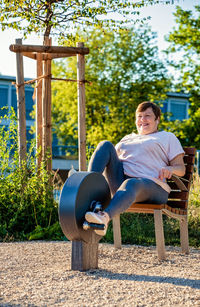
(176, 167)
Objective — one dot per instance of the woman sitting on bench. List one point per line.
(137, 167)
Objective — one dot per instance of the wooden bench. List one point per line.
(176, 208)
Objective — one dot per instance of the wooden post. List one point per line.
(117, 231)
(84, 256)
(21, 110)
(39, 110)
(184, 235)
(160, 240)
(81, 109)
(46, 110)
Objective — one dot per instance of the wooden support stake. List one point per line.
(21, 110)
(44, 106)
(39, 110)
(81, 109)
(46, 111)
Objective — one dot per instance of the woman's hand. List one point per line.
(176, 167)
(165, 172)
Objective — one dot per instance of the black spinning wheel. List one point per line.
(80, 190)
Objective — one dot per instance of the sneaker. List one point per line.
(98, 218)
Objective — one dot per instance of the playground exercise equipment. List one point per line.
(83, 192)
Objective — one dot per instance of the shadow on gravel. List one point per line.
(177, 281)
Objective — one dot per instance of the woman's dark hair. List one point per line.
(148, 104)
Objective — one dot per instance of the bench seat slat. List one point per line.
(149, 208)
(179, 195)
(182, 204)
(189, 150)
(189, 159)
(189, 168)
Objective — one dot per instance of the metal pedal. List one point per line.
(87, 226)
(95, 206)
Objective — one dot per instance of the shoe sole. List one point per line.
(93, 219)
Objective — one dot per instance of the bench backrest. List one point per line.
(178, 198)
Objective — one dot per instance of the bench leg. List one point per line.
(160, 241)
(84, 256)
(117, 232)
(184, 235)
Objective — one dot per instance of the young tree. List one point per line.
(124, 69)
(185, 38)
(61, 17)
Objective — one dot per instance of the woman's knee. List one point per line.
(130, 183)
(127, 191)
(105, 145)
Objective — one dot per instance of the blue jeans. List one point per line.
(125, 190)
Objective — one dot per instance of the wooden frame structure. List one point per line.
(43, 56)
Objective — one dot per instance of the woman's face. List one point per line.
(146, 122)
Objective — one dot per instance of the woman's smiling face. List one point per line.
(146, 122)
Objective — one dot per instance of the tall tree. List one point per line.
(124, 69)
(185, 40)
(61, 17)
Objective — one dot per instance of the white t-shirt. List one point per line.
(143, 156)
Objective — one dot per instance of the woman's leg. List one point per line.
(131, 190)
(105, 160)
(135, 190)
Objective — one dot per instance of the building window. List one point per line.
(175, 108)
(3, 100)
(28, 101)
(14, 99)
(178, 111)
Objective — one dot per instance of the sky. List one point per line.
(162, 21)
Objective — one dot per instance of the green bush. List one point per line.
(27, 207)
(194, 212)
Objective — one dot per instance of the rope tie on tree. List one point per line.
(49, 76)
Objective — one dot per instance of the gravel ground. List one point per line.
(38, 274)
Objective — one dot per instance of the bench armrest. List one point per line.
(179, 183)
